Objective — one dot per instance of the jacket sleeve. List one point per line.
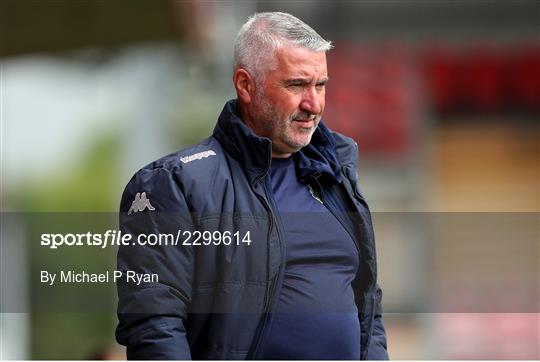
(152, 314)
(377, 349)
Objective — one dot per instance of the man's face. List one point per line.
(288, 106)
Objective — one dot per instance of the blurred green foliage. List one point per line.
(88, 187)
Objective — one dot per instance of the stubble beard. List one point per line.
(277, 127)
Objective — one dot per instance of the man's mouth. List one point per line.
(305, 120)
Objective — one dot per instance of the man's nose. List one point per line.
(311, 101)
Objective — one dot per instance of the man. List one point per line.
(285, 268)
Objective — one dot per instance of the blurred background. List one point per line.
(442, 97)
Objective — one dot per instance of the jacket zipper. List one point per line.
(270, 292)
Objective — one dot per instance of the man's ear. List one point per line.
(244, 84)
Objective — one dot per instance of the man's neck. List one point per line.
(276, 154)
(246, 118)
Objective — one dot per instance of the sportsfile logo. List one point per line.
(140, 203)
(198, 156)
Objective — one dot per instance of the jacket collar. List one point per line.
(255, 153)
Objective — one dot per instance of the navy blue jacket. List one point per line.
(211, 301)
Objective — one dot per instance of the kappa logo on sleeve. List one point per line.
(140, 203)
(197, 156)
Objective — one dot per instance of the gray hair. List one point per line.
(264, 33)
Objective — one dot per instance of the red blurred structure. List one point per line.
(383, 92)
(482, 78)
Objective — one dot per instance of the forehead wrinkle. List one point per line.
(301, 79)
(300, 71)
(303, 69)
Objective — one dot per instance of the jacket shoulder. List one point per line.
(188, 158)
(171, 177)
